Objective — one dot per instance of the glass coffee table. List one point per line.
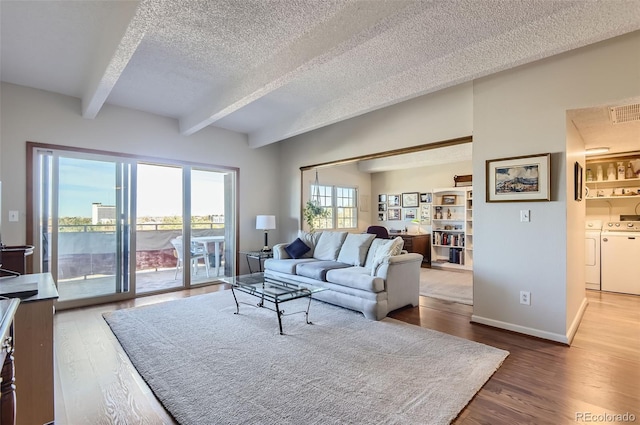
(271, 290)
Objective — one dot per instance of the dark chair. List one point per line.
(380, 231)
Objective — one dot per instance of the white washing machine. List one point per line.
(592, 253)
(619, 256)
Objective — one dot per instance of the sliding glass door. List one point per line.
(84, 224)
(109, 226)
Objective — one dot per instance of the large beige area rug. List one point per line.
(447, 285)
(207, 365)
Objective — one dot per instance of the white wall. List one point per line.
(439, 116)
(421, 179)
(39, 116)
(521, 112)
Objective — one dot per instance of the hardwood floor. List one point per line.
(539, 383)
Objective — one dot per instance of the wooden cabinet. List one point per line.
(33, 345)
(452, 228)
(8, 309)
(420, 243)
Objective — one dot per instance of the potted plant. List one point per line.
(312, 212)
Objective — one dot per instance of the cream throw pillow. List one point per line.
(329, 245)
(355, 247)
(388, 249)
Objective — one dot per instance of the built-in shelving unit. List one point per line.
(452, 228)
(618, 188)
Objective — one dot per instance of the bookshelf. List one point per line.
(452, 228)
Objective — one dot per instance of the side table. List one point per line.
(259, 256)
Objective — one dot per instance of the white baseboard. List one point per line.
(521, 329)
(571, 332)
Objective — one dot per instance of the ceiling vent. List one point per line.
(626, 113)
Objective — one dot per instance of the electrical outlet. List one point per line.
(525, 297)
(13, 215)
(524, 215)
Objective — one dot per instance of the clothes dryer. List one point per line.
(619, 256)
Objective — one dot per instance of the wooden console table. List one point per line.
(420, 243)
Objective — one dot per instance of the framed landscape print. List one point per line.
(520, 178)
(410, 200)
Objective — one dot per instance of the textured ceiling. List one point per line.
(274, 69)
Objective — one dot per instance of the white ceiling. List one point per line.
(273, 69)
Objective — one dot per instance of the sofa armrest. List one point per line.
(401, 274)
(278, 251)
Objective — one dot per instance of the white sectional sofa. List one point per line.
(359, 272)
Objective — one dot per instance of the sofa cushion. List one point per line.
(297, 249)
(310, 239)
(355, 247)
(318, 269)
(329, 245)
(356, 277)
(288, 266)
(371, 255)
(385, 251)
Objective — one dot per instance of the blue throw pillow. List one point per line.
(297, 249)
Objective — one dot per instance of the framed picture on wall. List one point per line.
(382, 207)
(425, 198)
(578, 184)
(393, 214)
(382, 216)
(410, 213)
(393, 200)
(519, 178)
(382, 198)
(425, 214)
(410, 199)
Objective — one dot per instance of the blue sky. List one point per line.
(83, 182)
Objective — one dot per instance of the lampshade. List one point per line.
(265, 222)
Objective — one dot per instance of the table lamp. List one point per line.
(266, 223)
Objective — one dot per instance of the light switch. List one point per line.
(524, 215)
(13, 216)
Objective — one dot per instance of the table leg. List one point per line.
(306, 315)
(217, 254)
(279, 313)
(236, 300)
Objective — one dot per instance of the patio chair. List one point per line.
(197, 252)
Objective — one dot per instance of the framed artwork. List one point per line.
(578, 184)
(425, 214)
(382, 207)
(393, 200)
(519, 179)
(410, 199)
(393, 214)
(449, 199)
(410, 213)
(382, 216)
(425, 198)
(382, 198)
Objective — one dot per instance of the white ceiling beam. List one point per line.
(117, 49)
(354, 24)
(525, 44)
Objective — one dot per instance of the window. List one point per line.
(340, 204)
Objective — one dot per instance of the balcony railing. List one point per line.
(85, 250)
